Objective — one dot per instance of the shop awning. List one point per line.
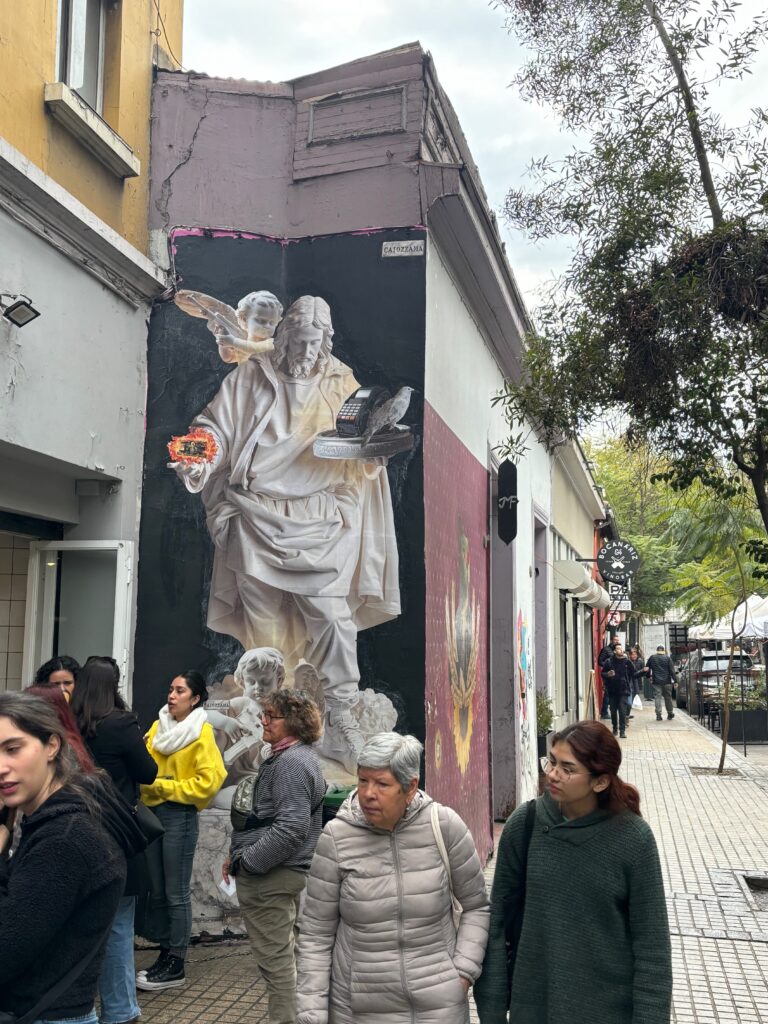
(573, 576)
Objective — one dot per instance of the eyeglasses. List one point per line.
(266, 717)
(548, 766)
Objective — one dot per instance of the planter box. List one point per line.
(755, 725)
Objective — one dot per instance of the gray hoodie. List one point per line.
(377, 942)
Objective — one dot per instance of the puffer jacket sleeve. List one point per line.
(317, 935)
(469, 889)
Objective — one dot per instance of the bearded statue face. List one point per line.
(302, 349)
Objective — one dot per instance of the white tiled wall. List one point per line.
(14, 555)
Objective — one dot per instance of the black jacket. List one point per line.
(58, 894)
(662, 669)
(119, 748)
(620, 683)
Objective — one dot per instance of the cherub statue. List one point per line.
(240, 333)
(259, 672)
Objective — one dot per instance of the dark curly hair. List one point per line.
(301, 714)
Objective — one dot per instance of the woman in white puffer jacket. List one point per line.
(377, 942)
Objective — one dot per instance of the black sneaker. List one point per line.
(169, 976)
(158, 965)
(622, 735)
(670, 715)
(615, 732)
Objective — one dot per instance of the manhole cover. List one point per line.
(758, 890)
(731, 773)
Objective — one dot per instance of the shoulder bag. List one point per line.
(514, 905)
(61, 986)
(149, 823)
(456, 908)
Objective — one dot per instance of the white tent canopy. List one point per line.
(750, 620)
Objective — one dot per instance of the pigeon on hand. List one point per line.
(388, 414)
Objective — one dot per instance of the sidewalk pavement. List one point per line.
(711, 830)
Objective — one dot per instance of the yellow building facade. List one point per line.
(75, 95)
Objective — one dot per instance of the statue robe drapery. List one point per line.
(283, 517)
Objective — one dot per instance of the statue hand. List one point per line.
(192, 471)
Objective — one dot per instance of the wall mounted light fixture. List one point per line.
(19, 310)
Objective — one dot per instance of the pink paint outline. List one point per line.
(283, 240)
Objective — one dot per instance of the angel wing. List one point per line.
(220, 318)
(305, 678)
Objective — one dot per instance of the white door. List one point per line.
(78, 603)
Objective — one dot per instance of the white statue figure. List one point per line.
(259, 673)
(305, 550)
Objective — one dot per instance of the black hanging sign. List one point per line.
(507, 501)
(617, 561)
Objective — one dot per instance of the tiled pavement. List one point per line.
(711, 830)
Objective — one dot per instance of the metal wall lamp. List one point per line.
(19, 310)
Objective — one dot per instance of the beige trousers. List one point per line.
(269, 905)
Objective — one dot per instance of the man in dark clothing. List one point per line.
(618, 675)
(663, 676)
(603, 660)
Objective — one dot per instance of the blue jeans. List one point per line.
(88, 1018)
(169, 862)
(117, 981)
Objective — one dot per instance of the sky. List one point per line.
(475, 58)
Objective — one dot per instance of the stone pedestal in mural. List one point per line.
(213, 912)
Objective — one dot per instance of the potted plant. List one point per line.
(544, 719)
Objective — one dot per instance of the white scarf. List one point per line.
(172, 735)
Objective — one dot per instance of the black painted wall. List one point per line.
(378, 309)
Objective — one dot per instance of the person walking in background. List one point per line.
(277, 821)
(190, 772)
(638, 674)
(594, 947)
(378, 943)
(603, 662)
(114, 740)
(60, 671)
(60, 889)
(618, 676)
(663, 676)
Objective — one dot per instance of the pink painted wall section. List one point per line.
(457, 729)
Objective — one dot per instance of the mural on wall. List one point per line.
(457, 749)
(528, 746)
(280, 495)
(305, 553)
(462, 622)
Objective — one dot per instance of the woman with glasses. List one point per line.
(190, 772)
(594, 943)
(274, 838)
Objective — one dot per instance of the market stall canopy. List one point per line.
(750, 620)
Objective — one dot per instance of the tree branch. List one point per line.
(692, 114)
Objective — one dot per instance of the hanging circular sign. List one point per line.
(617, 561)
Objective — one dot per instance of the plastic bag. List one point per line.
(637, 702)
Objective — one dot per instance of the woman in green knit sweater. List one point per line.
(594, 946)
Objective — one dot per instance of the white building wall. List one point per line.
(73, 383)
(461, 378)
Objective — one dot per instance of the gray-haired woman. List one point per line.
(378, 943)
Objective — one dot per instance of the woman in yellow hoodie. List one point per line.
(190, 773)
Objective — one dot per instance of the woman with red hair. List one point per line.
(55, 696)
(579, 928)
